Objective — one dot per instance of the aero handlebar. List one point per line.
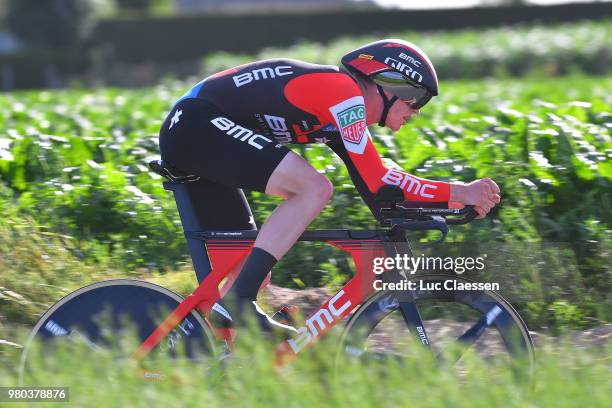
(423, 219)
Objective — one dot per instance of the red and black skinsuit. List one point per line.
(232, 127)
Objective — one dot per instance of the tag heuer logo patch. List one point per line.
(352, 123)
(349, 116)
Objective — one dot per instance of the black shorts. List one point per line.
(198, 138)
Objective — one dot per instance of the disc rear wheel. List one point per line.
(117, 315)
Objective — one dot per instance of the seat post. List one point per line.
(189, 220)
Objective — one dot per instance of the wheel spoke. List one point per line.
(466, 340)
(471, 335)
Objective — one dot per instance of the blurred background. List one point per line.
(526, 91)
(58, 43)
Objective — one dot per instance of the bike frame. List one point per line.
(227, 249)
(216, 253)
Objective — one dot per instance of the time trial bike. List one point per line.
(375, 319)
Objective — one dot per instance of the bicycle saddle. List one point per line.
(172, 174)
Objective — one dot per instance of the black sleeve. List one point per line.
(362, 188)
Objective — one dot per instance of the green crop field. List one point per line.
(74, 187)
(505, 51)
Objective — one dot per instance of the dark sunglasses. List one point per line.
(415, 95)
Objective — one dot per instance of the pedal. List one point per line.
(285, 314)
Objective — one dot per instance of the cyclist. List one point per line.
(232, 127)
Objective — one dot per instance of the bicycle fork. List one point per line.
(406, 300)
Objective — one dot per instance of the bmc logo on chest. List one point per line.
(262, 73)
(329, 313)
(278, 127)
(238, 132)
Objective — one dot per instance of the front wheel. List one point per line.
(458, 320)
(101, 315)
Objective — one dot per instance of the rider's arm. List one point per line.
(336, 100)
(366, 161)
(368, 196)
(349, 117)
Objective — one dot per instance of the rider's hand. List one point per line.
(483, 194)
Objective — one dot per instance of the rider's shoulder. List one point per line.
(290, 66)
(304, 65)
(304, 75)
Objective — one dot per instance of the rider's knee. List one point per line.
(320, 187)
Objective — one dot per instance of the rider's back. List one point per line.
(283, 99)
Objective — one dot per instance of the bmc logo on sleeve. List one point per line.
(350, 119)
(409, 184)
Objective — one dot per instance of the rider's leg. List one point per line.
(305, 192)
(206, 142)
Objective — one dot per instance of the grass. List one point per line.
(566, 377)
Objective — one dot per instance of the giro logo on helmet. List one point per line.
(404, 68)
